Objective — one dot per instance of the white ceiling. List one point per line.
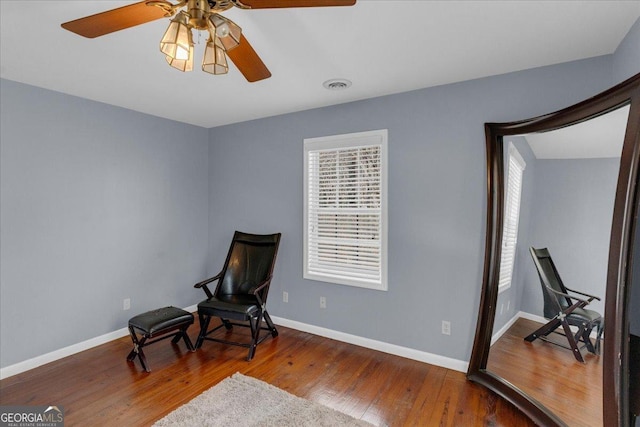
(384, 47)
(600, 137)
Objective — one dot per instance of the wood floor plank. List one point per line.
(98, 386)
(426, 397)
(550, 374)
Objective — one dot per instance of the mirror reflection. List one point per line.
(559, 196)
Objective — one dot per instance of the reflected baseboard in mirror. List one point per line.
(603, 254)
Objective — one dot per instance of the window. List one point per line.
(515, 170)
(345, 209)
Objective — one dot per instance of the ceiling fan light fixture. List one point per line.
(227, 31)
(183, 64)
(177, 40)
(215, 58)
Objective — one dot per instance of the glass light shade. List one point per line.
(225, 30)
(215, 59)
(182, 64)
(177, 40)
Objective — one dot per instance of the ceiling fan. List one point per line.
(225, 37)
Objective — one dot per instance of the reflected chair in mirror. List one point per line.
(241, 291)
(565, 307)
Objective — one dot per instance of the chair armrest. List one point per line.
(204, 284)
(579, 303)
(261, 285)
(583, 301)
(256, 289)
(591, 297)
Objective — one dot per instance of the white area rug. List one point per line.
(244, 401)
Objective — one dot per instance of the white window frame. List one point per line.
(513, 194)
(313, 270)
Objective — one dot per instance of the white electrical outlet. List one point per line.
(508, 304)
(446, 327)
(285, 296)
(126, 304)
(323, 302)
(501, 308)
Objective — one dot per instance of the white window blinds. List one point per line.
(515, 171)
(345, 230)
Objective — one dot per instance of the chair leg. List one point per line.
(254, 323)
(543, 331)
(572, 341)
(270, 325)
(586, 338)
(600, 327)
(204, 325)
(228, 326)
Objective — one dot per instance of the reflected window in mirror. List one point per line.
(515, 172)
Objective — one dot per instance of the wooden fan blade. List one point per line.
(269, 4)
(248, 61)
(114, 20)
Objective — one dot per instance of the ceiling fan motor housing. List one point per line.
(198, 11)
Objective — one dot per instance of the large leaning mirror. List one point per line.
(561, 211)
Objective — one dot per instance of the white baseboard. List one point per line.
(68, 351)
(533, 317)
(506, 327)
(59, 354)
(409, 353)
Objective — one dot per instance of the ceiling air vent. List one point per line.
(337, 84)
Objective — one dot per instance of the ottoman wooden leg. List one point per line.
(137, 349)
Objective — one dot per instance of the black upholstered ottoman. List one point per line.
(160, 324)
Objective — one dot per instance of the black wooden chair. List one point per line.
(241, 291)
(564, 309)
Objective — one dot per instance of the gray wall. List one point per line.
(436, 199)
(626, 58)
(97, 204)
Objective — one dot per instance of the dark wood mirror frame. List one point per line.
(615, 353)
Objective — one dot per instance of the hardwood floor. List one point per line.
(98, 386)
(551, 374)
